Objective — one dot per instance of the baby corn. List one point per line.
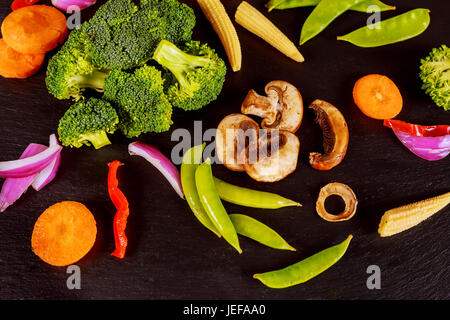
(218, 17)
(405, 217)
(255, 22)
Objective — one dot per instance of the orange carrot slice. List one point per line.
(64, 233)
(14, 64)
(377, 97)
(34, 29)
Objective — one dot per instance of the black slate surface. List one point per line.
(170, 255)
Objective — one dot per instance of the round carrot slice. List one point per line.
(377, 97)
(14, 64)
(34, 29)
(64, 233)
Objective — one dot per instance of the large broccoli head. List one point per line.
(122, 35)
(140, 100)
(435, 74)
(197, 72)
(87, 122)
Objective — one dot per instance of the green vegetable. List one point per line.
(212, 204)
(197, 73)
(306, 269)
(323, 14)
(191, 160)
(399, 28)
(88, 122)
(360, 7)
(121, 35)
(139, 99)
(435, 74)
(251, 198)
(258, 231)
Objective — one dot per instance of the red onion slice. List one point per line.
(156, 158)
(48, 174)
(13, 188)
(66, 4)
(428, 148)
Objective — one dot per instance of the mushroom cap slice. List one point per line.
(346, 193)
(281, 109)
(234, 133)
(274, 156)
(335, 136)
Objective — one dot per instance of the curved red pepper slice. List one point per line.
(418, 130)
(17, 4)
(121, 203)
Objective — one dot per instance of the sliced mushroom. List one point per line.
(281, 109)
(346, 193)
(273, 157)
(335, 136)
(234, 133)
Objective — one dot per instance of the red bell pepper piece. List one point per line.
(121, 203)
(17, 4)
(418, 130)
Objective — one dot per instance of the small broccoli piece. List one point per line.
(70, 70)
(139, 100)
(123, 36)
(435, 74)
(87, 122)
(197, 72)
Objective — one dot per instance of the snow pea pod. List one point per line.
(306, 269)
(258, 231)
(323, 14)
(396, 29)
(289, 4)
(251, 198)
(213, 206)
(191, 160)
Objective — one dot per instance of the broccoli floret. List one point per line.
(127, 39)
(139, 100)
(87, 122)
(197, 72)
(435, 74)
(71, 70)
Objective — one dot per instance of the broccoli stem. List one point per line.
(177, 61)
(95, 80)
(97, 139)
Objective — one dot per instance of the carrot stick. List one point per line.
(64, 233)
(14, 64)
(34, 29)
(377, 97)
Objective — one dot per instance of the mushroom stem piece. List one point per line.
(335, 136)
(346, 193)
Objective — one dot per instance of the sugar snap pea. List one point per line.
(396, 29)
(258, 231)
(289, 4)
(306, 269)
(322, 15)
(213, 206)
(191, 160)
(251, 198)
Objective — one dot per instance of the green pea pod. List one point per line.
(323, 14)
(213, 206)
(191, 160)
(253, 229)
(396, 29)
(306, 269)
(289, 4)
(251, 198)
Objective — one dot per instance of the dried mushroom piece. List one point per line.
(273, 157)
(281, 109)
(335, 136)
(234, 133)
(346, 193)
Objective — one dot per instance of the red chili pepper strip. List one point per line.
(418, 130)
(121, 203)
(17, 4)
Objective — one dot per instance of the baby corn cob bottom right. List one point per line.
(402, 218)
